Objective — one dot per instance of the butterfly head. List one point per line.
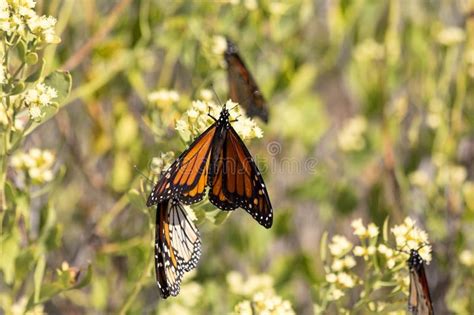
(224, 116)
(231, 47)
(415, 260)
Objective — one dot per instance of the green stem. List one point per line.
(4, 157)
(137, 288)
(18, 70)
(3, 178)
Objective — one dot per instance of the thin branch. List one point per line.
(85, 50)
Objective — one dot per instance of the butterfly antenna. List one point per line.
(236, 105)
(217, 96)
(402, 251)
(236, 119)
(141, 173)
(421, 246)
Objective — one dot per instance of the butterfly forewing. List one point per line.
(177, 246)
(187, 176)
(243, 184)
(419, 299)
(242, 87)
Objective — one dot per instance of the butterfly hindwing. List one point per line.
(177, 246)
(216, 192)
(242, 87)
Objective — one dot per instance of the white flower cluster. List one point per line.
(262, 297)
(340, 275)
(36, 163)
(351, 137)
(264, 304)
(163, 98)
(452, 35)
(248, 287)
(161, 163)
(196, 120)
(409, 236)
(38, 98)
(17, 17)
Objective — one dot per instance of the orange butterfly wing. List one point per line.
(216, 192)
(419, 299)
(187, 176)
(240, 182)
(242, 87)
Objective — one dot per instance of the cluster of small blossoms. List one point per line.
(467, 258)
(219, 45)
(161, 163)
(369, 50)
(409, 236)
(163, 98)
(17, 17)
(368, 238)
(450, 36)
(261, 297)
(338, 270)
(340, 277)
(21, 308)
(351, 137)
(38, 99)
(247, 287)
(36, 164)
(264, 304)
(197, 119)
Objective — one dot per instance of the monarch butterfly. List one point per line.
(219, 159)
(242, 87)
(419, 300)
(177, 246)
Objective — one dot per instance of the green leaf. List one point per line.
(17, 88)
(221, 217)
(10, 250)
(21, 49)
(86, 279)
(49, 290)
(37, 73)
(38, 277)
(62, 82)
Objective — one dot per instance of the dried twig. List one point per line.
(84, 51)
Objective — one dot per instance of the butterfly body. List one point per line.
(243, 88)
(217, 159)
(419, 300)
(177, 246)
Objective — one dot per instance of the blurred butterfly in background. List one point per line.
(242, 87)
(219, 159)
(419, 299)
(177, 246)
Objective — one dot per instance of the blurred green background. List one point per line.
(371, 116)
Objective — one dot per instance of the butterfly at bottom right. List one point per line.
(419, 299)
